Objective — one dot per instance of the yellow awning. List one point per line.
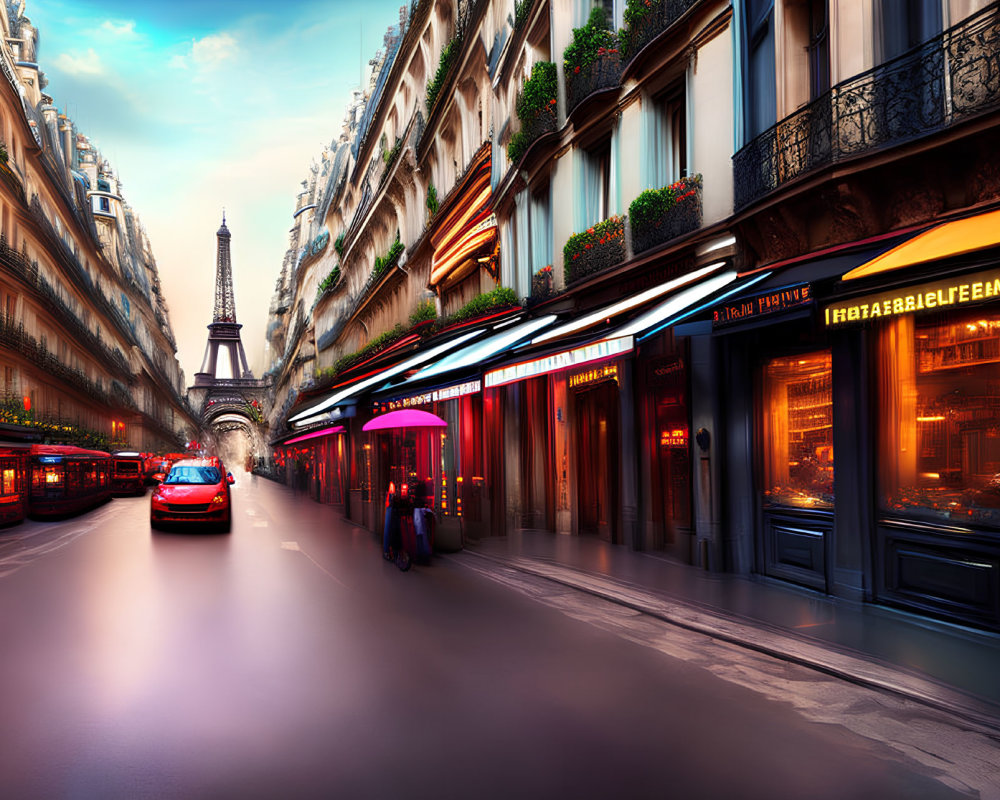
(942, 241)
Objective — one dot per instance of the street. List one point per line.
(287, 659)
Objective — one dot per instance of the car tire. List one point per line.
(153, 525)
(227, 526)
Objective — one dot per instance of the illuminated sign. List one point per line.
(676, 437)
(448, 393)
(606, 348)
(763, 304)
(594, 375)
(930, 296)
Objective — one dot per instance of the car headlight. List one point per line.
(221, 497)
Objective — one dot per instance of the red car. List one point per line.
(195, 490)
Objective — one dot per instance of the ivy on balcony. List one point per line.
(645, 20)
(536, 108)
(328, 282)
(594, 250)
(659, 215)
(542, 285)
(479, 306)
(449, 53)
(383, 263)
(591, 62)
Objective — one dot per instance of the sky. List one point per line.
(201, 106)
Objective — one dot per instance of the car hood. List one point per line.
(188, 493)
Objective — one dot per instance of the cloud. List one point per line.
(211, 51)
(89, 64)
(120, 29)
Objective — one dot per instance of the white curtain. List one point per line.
(541, 229)
(522, 227)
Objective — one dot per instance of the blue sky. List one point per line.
(204, 105)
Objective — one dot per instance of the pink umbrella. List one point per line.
(404, 418)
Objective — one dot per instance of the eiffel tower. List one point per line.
(224, 332)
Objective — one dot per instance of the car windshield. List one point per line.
(193, 475)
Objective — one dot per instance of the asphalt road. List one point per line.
(287, 659)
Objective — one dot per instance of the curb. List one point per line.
(776, 642)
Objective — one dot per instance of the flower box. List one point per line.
(659, 215)
(594, 250)
(604, 73)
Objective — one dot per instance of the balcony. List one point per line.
(951, 78)
(590, 82)
(645, 23)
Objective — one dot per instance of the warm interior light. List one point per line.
(931, 419)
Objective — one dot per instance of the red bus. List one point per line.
(66, 479)
(127, 473)
(13, 490)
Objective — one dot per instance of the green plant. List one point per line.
(521, 9)
(650, 206)
(3, 154)
(338, 245)
(636, 10)
(329, 281)
(499, 298)
(448, 55)
(389, 155)
(432, 199)
(538, 96)
(423, 312)
(382, 263)
(590, 43)
(600, 246)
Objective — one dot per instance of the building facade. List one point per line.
(87, 350)
(638, 257)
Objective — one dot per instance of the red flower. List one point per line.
(576, 70)
(587, 246)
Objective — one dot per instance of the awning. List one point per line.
(312, 414)
(784, 291)
(479, 352)
(946, 240)
(467, 234)
(312, 435)
(628, 304)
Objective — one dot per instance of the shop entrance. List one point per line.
(598, 445)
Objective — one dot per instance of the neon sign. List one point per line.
(594, 375)
(676, 437)
(424, 398)
(762, 305)
(930, 296)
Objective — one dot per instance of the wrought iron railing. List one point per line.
(604, 73)
(644, 28)
(952, 77)
(13, 336)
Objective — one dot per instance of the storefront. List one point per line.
(560, 416)
(934, 348)
(447, 459)
(316, 462)
(859, 412)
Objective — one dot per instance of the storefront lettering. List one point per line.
(426, 398)
(594, 375)
(931, 296)
(559, 361)
(762, 305)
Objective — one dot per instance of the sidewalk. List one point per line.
(945, 666)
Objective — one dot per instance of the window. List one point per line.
(664, 151)
(760, 101)
(819, 47)
(595, 184)
(105, 205)
(797, 433)
(903, 24)
(939, 449)
(540, 218)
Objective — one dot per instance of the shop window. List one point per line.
(939, 397)
(798, 431)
